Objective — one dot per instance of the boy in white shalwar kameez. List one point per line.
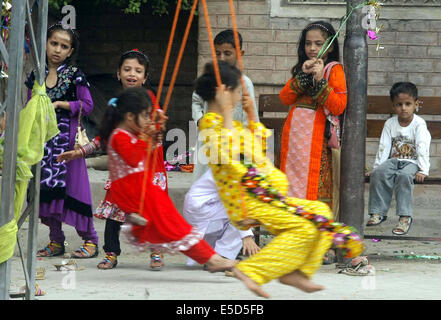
(204, 209)
(202, 206)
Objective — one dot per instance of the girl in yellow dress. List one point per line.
(254, 193)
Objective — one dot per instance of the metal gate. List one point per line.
(23, 21)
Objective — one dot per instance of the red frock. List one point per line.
(109, 210)
(166, 229)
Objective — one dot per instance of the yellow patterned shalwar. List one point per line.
(298, 244)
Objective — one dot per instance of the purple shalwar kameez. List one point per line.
(65, 190)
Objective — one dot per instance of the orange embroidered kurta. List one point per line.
(303, 142)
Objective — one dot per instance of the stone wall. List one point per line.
(411, 50)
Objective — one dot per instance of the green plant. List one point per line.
(159, 7)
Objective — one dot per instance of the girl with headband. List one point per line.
(317, 90)
(65, 195)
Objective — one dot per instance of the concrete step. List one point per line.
(426, 197)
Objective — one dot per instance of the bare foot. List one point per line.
(299, 280)
(217, 263)
(249, 283)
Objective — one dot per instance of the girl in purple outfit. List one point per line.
(65, 190)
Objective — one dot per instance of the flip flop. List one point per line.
(40, 273)
(70, 265)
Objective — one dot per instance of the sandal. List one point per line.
(22, 292)
(68, 265)
(53, 249)
(359, 266)
(330, 257)
(403, 226)
(156, 262)
(375, 220)
(86, 251)
(109, 262)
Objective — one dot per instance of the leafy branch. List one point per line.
(159, 7)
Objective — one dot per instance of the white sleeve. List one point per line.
(197, 107)
(422, 142)
(250, 89)
(245, 233)
(385, 145)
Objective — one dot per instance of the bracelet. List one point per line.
(89, 148)
(83, 152)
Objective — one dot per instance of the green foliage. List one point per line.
(159, 7)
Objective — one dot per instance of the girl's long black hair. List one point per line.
(74, 37)
(205, 85)
(328, 31)
(134, 100)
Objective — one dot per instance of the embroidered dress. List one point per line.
(254, 193)
(304, 155)
(166, 229)
(65, 191)
(108, 210)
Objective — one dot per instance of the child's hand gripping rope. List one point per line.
(155, 128)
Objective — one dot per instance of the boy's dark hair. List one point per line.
(328, 30)
(134, 100)
(227, 36)
(403, 87)
(74, 39)
(205, 85)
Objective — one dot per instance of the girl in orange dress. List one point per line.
(305, 156)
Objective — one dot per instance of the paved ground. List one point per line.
(396, 278)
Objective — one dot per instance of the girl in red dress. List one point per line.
(125, 125)
(133, 71)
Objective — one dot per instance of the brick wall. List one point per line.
(411, 52)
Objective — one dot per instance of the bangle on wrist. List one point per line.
(83, 152)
